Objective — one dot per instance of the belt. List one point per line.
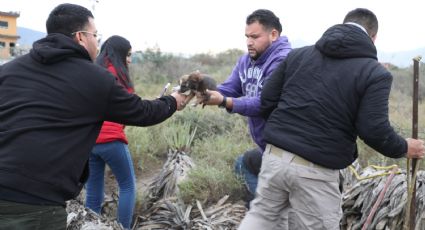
(290, 157)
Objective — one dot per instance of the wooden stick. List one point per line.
(379, 200)
(411, 205)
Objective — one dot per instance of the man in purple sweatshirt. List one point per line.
(241, 92)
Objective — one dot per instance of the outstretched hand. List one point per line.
(180, 99)
(214, 98)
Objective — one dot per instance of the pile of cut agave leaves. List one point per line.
(164, 210)
(377, 200)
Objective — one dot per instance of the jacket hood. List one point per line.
(55, 47)
(280, 45)
(346, 41)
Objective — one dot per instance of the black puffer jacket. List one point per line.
(52, 104)
(322, 97)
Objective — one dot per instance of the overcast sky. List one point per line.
(195, 26)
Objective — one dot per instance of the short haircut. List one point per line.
(365, 18)
(266, 18)
(68, 18)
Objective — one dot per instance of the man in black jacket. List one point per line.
(53, 102)
(318, 101)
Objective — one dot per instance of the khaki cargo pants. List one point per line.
(288, 182)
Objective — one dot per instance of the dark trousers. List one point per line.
(19, 216)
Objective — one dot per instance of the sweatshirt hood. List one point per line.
(346, 41)
(56, 47)
(281, 45)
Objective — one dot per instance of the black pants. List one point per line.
(18, 216)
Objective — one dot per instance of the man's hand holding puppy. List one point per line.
(180, 99)
(216, 98)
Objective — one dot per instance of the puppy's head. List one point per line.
(190, 82)
(184, 85)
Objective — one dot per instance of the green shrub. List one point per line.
(179, 136)
(208, 184)
(145, 146)
(208, 121)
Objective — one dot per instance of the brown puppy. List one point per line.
(196, 83)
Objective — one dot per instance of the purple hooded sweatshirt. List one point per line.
(245, 83)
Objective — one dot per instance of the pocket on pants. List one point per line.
(306, 221)
(318, 200)
(318, 174)
(271, 178)
(270, 165)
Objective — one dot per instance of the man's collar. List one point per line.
(358, 25)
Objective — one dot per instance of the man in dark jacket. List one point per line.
(317, 102)
(53, 102)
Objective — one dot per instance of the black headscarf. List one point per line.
(115, 50)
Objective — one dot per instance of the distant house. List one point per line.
(8, 34)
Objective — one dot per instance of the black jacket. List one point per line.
(322, 97)
(52, 104)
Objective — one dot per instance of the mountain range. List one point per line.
(401, 59)
(28, 36)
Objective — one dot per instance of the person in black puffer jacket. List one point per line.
(318, 101)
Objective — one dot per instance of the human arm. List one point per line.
(272, 90)
(232, 86)
(130, 109)
(230, 89)
(372, 123)
(235, 103)
(250, 81)
(243, 105)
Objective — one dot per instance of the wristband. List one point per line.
(223, 103)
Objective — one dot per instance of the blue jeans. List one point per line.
(118, 158)
(249, 173)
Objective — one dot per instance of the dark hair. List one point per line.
(365, 18)
(114, 51)
(68, 18)
(266, 18)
